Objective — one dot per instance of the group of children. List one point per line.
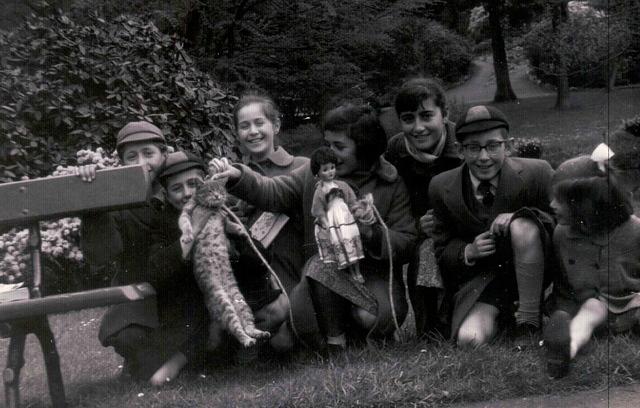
(503, 229)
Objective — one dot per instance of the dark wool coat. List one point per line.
(524, 183)
(122, 237)
(282, 254)
(591, 267)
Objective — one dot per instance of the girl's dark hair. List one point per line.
(414, 91)
(361, 124)
(320, 156)
(595, 204)
(268, 106)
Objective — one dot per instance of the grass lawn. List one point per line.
(408, 373)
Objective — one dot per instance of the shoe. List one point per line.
(526, 336)
(557, 340)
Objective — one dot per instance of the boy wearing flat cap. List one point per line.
(491, 230)
(171, 266)
(123, 238)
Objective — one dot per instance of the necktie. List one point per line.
(484, 189)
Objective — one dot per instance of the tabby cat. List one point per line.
(212, 268)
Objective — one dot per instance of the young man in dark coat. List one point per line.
(491, 230)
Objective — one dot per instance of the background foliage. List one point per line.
(65, 85)
(587, 45)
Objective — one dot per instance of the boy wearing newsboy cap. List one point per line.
(491, 230)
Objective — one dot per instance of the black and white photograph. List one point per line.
(320, 203)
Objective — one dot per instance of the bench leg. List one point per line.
(52, 362)
(11, 374)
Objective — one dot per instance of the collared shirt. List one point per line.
(475, 183)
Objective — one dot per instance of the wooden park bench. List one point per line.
(26, 203)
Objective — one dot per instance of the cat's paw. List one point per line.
(248, 342)
(258, 334)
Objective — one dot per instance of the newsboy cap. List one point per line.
(480, 118)
(180, 161)
(139, 132)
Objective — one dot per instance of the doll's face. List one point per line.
(327, 172)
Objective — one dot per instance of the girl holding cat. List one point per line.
(597, 241)
(327, 302)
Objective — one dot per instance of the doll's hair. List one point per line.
(320, 156)
(416, 90)
(361, 124)
(269, 107)
(595, 204)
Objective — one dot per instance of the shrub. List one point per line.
(65, 85)
(529, 148)
(584, 44)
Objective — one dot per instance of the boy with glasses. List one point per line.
(491, 230)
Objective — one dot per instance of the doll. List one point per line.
(336, 231)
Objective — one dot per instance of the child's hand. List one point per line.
(222, 168)
(500, 225)
(233, 228)
(482, 246)
(427, 223)
(87, 173)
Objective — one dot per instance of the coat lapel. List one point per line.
(510, 187)
(455, 200)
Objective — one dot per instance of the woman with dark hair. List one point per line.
(597, 241)
(424, 149)
(327, 301)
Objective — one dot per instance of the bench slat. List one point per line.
(66, 196)
(66, 302)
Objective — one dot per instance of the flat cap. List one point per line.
(480, 118)
(139, 132)
(180, 161)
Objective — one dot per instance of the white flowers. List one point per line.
(60, 239)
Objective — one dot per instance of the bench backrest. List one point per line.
(25, 202)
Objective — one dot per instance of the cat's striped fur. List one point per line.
(212, 268)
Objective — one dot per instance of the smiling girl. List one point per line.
(424, 149)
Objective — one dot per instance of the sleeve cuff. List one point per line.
(466, 260)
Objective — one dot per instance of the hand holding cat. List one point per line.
(222, 168)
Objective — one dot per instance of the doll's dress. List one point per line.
(340, 242)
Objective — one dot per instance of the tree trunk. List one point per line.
(611, 83)
(562, 85)
(560, 15)
(504, 92)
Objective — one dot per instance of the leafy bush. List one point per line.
(64, 86)
(529, 148)
(583, 45)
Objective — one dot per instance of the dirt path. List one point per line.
(481, 86)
